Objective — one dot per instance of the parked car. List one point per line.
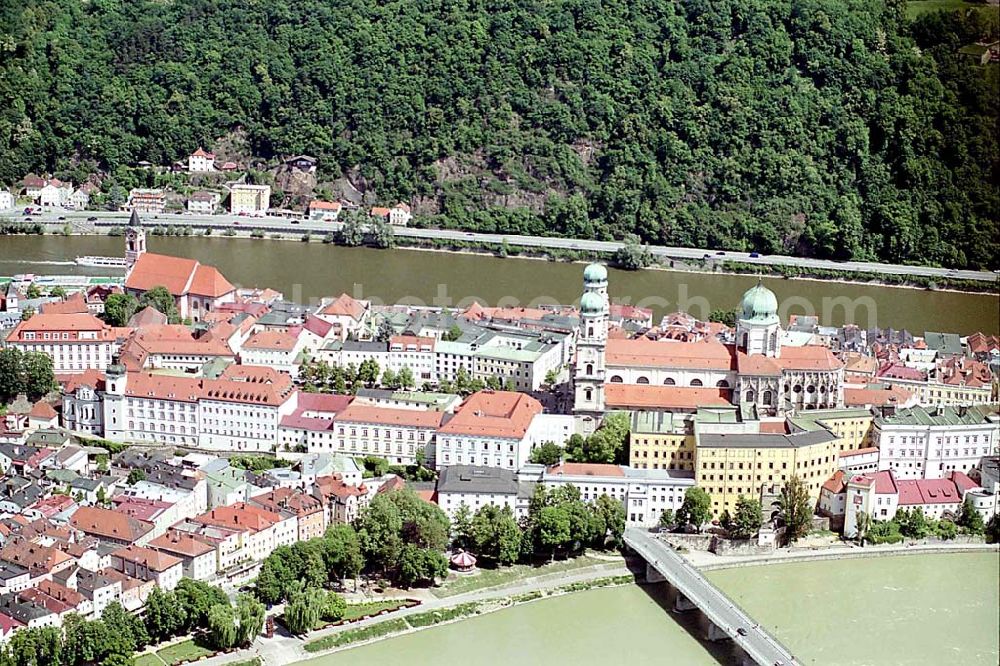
(741, 631)
(92, 218)
(754, 255)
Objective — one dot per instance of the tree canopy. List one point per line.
(832, 128)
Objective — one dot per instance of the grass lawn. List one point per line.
(915, 8)
(503, 576)
(180, 652)
(148, 659)
(354, 611)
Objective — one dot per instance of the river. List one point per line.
(306, 272)
(920, 609)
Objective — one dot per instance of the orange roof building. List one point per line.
(196, 288)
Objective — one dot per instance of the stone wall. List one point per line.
(721, 546)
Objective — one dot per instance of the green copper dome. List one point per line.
(759, 304)
(591, 304)
(595, 273)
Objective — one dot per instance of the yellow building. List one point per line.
(852, 426)
(662, 440)
(735, 463)
(249, 199)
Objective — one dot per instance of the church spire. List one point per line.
(134, 220)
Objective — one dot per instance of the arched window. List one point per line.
(669, 381)
(589, 393)
(750, 396)
(642, 380)
(696, 382)
(590, 368)
(810, 389)
(746, 340)
(590, 331)
(768, 397)
(616, 379)
(798, 388)
(722, 383)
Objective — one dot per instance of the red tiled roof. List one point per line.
(325, 205)
(585, 469)
(108, 524)
(862, 397)
(154, 560)
(201, 153)
(279, 340)
(344, 306)
(42, 410)
(808, 357)
(177, 542)
(208, 281)
(494, 414)
(355, 413)
(858, 452)
(240, 516)
(179, 275)
(649, 396)
(74, 304)
(652, 353)
(835, 484)
(334, 486)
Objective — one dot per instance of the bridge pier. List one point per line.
(654, 576)
(713, 632)
(682, 604)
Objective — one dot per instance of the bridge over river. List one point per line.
(724, 619)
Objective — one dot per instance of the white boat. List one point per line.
(110, 262)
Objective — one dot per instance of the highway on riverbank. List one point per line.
(285, 225)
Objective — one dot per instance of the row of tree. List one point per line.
(914, 524)
(113, 639)
(320, 376)
(558, 522)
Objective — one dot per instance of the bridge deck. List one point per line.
(717, 607)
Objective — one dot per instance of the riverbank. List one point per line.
(705, 561)
(551, 247)
(458, 279)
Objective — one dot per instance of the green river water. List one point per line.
(925, 609)
(305, 272)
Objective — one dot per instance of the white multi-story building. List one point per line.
(415, 353)
(76, 342)
(280, 350)
(400, 215)
(498, 429)
(476, 487)
(148, 564)
(394, 434)
(645, 493)
(881, 495)
(239, 411)
(203, 203)
(201, 161)
(324, 211)
(931, 442)
(6, 199)
(199, 557)
(147, 200)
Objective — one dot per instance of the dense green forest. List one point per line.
(833, 128)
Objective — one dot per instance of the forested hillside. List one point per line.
(823, 127)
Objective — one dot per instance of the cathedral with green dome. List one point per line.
(748, 367)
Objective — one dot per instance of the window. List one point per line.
(696, 382)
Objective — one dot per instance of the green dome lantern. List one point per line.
(591, 304)
(759, 305)
(595, 273)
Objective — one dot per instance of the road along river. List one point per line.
(308, 271)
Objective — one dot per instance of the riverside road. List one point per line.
(283, 225)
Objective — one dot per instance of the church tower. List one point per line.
(135, 241)
(588, 375)
(758, 329)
